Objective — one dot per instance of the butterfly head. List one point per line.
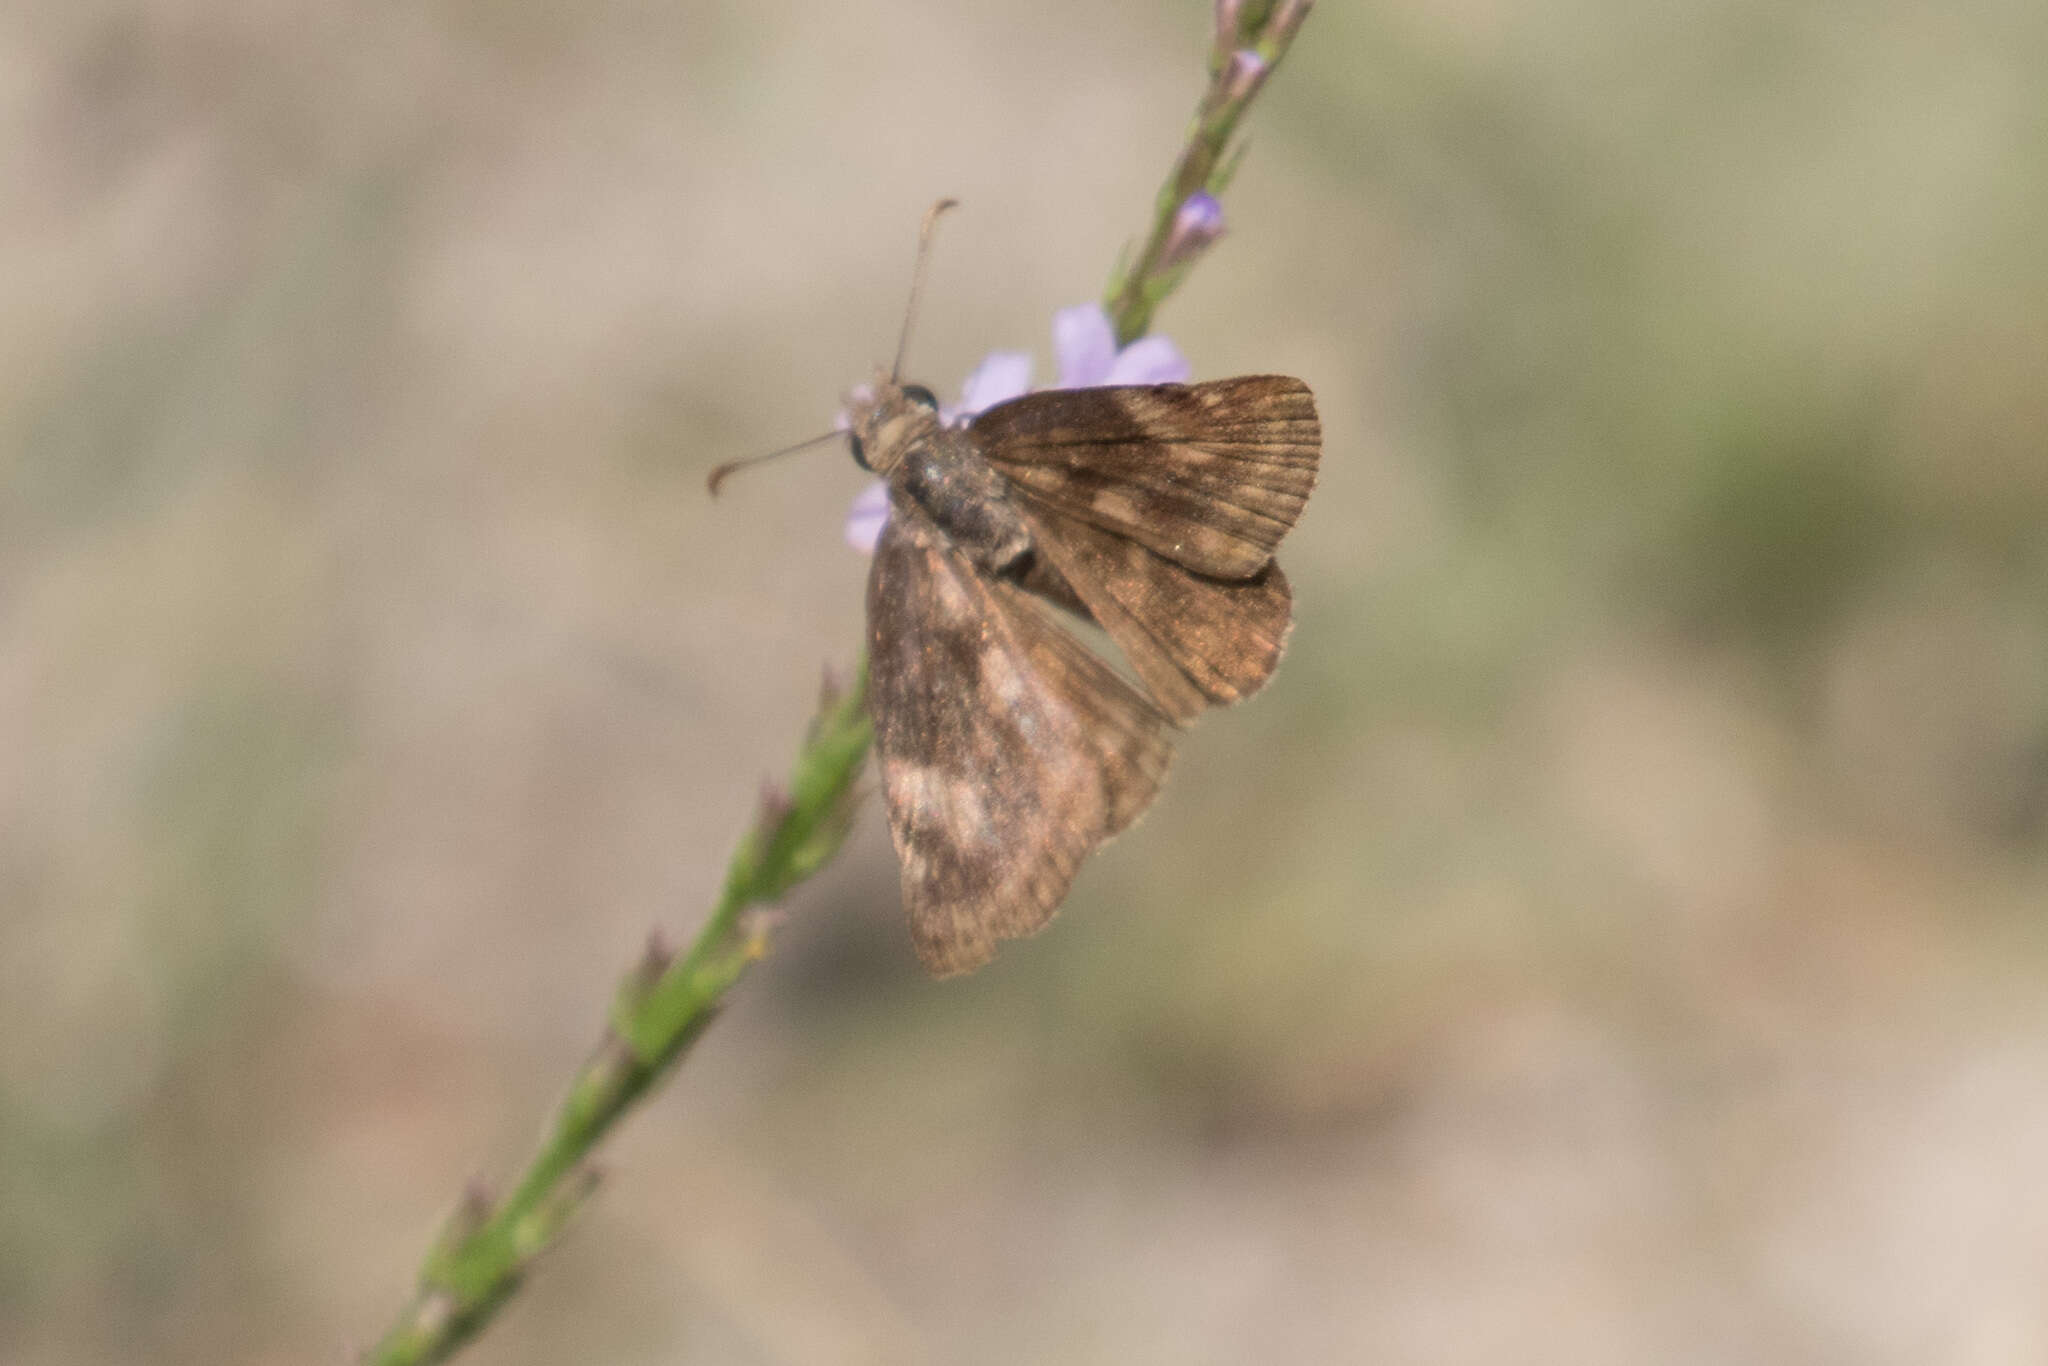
(885, 418)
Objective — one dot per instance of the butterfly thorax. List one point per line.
(967, 499)
(897, 433)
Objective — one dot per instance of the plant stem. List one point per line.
(661, 1008)
(1250, 40)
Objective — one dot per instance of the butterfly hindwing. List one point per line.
(1194, 641)
(1007, 750)
(1210, 475)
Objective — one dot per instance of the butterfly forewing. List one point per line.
(1007, 750)
(1210, 475)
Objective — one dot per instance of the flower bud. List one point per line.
(1243, 74)
(1196, 226)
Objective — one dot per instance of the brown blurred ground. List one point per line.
(1618, 936)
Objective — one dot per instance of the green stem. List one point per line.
(1249, 46)
(662, 1006)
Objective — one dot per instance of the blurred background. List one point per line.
(1618, 934)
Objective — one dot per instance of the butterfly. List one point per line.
(1009, 750)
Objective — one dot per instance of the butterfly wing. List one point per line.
(1007, 750)
(1194, 641)
(1210, 476)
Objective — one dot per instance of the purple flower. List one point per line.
(866, 518)
(1196, 226)
(1001, 376)
(1243, 73)
(1083, 343)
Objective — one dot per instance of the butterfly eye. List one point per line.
(921, 396)
(860, 453)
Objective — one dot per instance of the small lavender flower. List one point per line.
(866, 518)
(1083, 343)
(1196, 226)
(1243, 74)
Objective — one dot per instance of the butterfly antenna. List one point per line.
(718, 475)
(924, 248)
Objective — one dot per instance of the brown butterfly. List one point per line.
(1009, 750)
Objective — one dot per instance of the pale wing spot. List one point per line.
(954, 601)
(921, 786)
(1000, 674)
(1116, 505)
(937, 800)
(968, 806)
